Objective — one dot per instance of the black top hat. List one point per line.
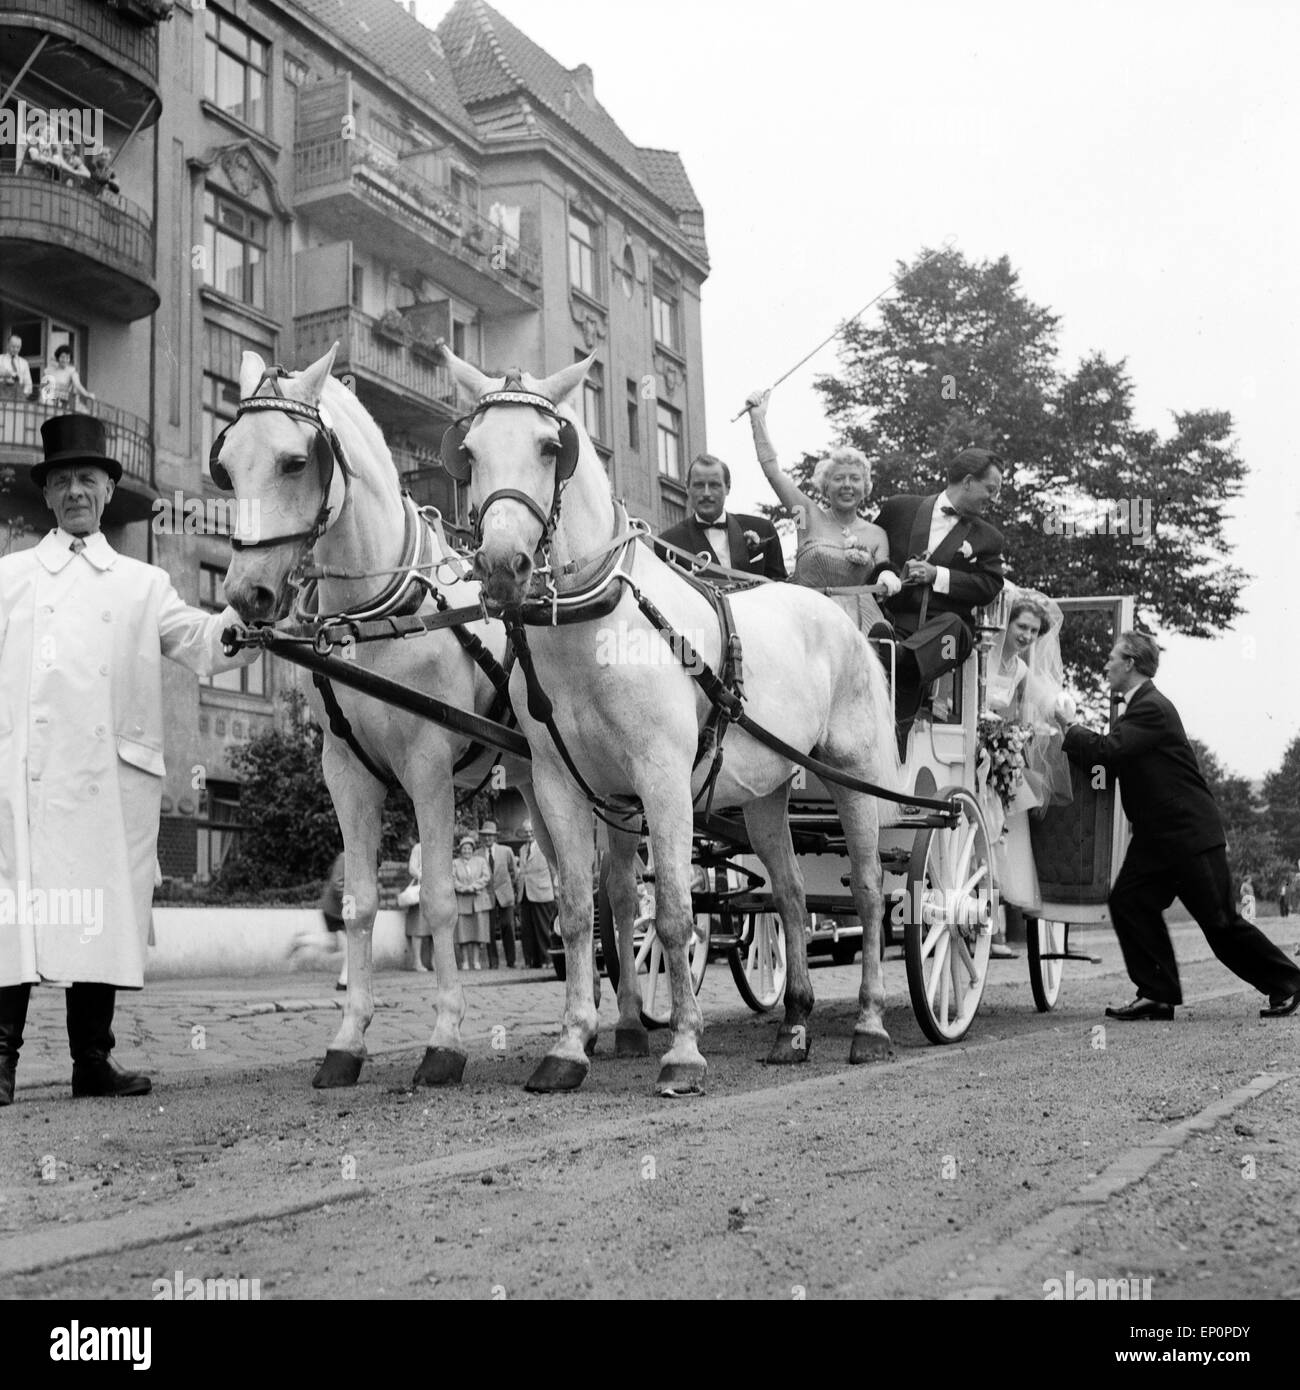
(73, 439)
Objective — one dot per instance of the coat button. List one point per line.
(107, 616)
(94, 789)
(103, 670)
(100, 731)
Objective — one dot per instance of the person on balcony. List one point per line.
(61, 387)
(75, 170)
(102, 178)
(15, 374)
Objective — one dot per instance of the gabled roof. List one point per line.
(397, 44)
(667, 175)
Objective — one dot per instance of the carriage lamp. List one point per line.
(991, 620)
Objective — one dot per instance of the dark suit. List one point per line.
(1178, 851)
(972, 554)
(765, 558)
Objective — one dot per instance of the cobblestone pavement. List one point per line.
(206, 1025)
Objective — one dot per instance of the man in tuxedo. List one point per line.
(950, 560)
(738, 542)
(1178, 847)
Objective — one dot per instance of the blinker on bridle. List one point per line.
(456, 459)
(327, 452)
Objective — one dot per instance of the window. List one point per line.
(664, 309)
(235, 242)
(234, 70)
(387, 135)
(633, 417)
(670, 441)
(251, 680)
(629, 271)
(582, 255)
(593, 399)
(464, 189)
(358, 286)
(218, 828)
(458, 336)
(220, 406)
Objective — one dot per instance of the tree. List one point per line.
(1252, 846)
(961, 356)
(1282, 794)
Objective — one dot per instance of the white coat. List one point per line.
(82, 637)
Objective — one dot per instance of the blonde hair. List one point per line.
(845, 454)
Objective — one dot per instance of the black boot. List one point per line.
(90, 1037)
(13, 1018)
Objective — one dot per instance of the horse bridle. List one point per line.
(458, 463)
(331, 464)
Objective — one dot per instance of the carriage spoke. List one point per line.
(936, 970)
(931, 943)
(945, 998)
(963, 954)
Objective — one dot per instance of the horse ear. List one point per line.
(251, 371)
(562, 384)
(468, 377)
(311, 380)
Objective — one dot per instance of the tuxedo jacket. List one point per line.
(1161, 787)
(971, 552)
(765, 558)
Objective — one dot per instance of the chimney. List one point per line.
(582, 81)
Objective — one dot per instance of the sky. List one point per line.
(1135, 162)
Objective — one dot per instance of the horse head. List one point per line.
(284, 460)
(518, 448)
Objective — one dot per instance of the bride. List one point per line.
(1026, 686)
(840, 552)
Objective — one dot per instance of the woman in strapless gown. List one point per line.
(840, 553)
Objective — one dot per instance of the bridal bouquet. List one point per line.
(1005, 746)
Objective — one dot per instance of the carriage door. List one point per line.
(1078, 848)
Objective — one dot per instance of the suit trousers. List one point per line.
(503, 925)
(536, 922)
(1148, 882)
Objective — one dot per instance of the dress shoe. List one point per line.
(1141, 1010)
(96, 1074)
(8, 1067)
(999, 950)
(1279, 1005)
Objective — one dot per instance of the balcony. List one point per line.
(93, 251)
(96, 51)
(356, 190)
(430, 485)
(130, 441)
(397, 380)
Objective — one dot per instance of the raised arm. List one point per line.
(781, 482)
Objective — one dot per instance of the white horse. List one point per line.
(267, 456)
(631, 724)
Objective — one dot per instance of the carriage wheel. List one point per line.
(758, 963)
(951, 904)
(1045, 939)
(652, 974)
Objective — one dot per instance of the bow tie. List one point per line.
(77, 546)
(949, 511)
(719, 525)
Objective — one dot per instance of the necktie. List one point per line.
(949, 511)
(77, 546)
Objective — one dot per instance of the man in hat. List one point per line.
(951, 562)
(83, 631)
(505, 869)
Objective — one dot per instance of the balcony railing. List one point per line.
(134, 44)
(365, 347)
(106, 228)
(379, 177)
(130, 440)
(431, 486)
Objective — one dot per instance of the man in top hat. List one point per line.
(735, 541)
(505, 869)
(83, 631)
(951, 562)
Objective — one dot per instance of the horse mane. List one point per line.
(339, 401)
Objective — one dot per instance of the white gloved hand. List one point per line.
(890, 583)
(1065, 708)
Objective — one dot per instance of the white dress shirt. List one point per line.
(940, 524)
(718, 538)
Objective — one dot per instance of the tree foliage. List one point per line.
(1252, 845)
(1282, 794)
(961, 356)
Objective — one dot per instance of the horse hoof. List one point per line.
(590, 1045)
(791, 1047)
(557, 1074)
(681, 1079)
(870, 1047)
(338, 1069)
(631, 1042)
(441, 1066)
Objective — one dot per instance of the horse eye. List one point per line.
(294, 465)
(550, 448)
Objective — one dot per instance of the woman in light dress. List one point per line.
(61, 387)
(419, 935)
(840, 553)
(1026, 686)
(470, 877)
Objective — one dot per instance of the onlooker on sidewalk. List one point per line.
(505, 870)
(470, 877)
(419, 934)
(535, 892)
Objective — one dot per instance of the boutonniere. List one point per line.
(752, 540)
(965, 551)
